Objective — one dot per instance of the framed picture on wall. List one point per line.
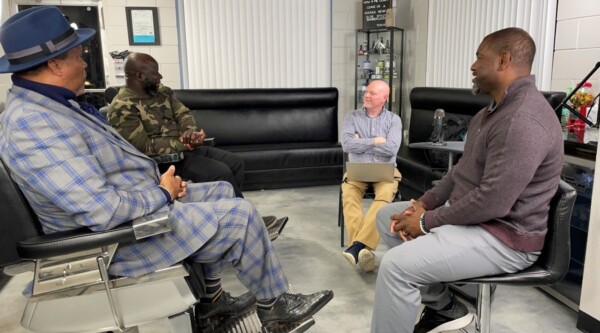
(142, 25)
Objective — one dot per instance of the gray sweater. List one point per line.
(508, 173)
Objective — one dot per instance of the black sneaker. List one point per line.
(455, 318)
(293, 308)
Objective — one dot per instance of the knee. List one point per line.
(383, 221)
(224, 186)
(351, 192)
(388, 267)
(394, 267)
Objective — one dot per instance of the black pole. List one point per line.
(570, 108)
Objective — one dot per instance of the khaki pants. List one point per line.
(361, 227)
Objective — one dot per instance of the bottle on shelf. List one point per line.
(379, 69)
(565, 113)
(361, 94)
(367, 68)
(387, 46)
(360, 50)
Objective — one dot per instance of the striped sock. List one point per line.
(213, 290)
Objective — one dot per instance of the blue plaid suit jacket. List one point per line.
(79, 172)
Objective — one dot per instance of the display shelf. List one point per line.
(379, 54)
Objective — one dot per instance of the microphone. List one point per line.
(437, 137)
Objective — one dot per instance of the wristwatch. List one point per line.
(422, 224)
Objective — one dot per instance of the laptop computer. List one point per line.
(370, 172)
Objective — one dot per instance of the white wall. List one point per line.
(116, 38)
(346, 18)
(577, 50)
(577, 44)
(410, 15)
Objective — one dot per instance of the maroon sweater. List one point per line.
(508, 173)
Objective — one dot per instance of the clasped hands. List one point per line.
(172, 183)
(407, 223)
(192, 139)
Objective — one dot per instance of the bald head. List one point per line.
(381, 86)
(135, 62)
(375, 96)
(517, 42)
(142, 76)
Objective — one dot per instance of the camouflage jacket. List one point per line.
(152, 124)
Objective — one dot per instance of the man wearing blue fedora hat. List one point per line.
(77, 171)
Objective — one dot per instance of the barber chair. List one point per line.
(551, 266)
(72, 291)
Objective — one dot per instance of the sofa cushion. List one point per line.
(264, 116)
(288, 155)
(286, 137)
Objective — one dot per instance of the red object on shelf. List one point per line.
(579, 121)
(579, 132)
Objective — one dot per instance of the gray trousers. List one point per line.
(415, 272)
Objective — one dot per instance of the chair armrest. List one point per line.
(168, 158)
(151, 225)
(66, 242)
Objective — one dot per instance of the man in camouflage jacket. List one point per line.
(146, 113)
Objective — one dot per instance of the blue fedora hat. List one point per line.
(36, 35)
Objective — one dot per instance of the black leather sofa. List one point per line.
(417, 171)
(287, 137)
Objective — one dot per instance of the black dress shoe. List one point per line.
(277, 228)
(269, 220)
(294, 308)
(226, 306)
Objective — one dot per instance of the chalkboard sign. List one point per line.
(377, 14)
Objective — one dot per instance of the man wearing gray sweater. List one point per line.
(489, 214)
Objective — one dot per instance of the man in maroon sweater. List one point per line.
(489, 214)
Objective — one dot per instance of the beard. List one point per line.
(151, 88)
(475, 90)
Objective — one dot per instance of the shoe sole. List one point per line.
(456, 324)
(206, 323)
(350, 258)
(247, 322)
(291, 328)
(366, 260)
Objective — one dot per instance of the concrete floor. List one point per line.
(311, 255)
